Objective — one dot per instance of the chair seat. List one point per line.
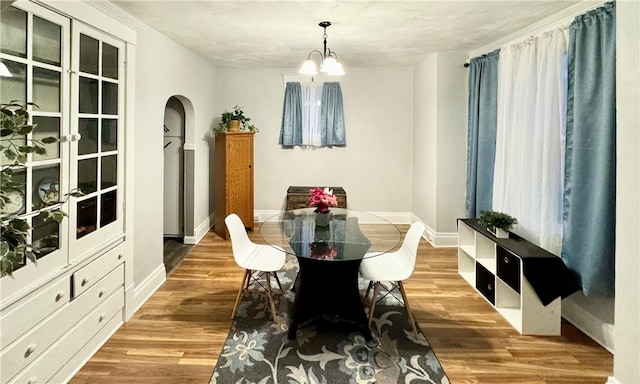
(387, 267)
(264, 258)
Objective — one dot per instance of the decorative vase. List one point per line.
(321, 234)
(233, 125)
(323, 219)
(499, 232)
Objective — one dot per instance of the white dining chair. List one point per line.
(262, 259)
(394, 268)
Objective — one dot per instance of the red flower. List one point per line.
(322, 199)
(320, 250)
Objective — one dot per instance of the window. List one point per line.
(313, 115)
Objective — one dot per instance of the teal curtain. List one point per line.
(588, 244)
(481, 136)
(332, 116)
(291, 127)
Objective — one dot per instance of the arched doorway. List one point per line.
(174, 133)
(178, 223)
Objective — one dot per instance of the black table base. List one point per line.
(327, 292)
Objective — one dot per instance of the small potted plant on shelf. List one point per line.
(234, 121)
(498, 223)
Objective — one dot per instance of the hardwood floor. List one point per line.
(177, 335)
(174, 252)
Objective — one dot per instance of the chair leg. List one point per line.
(273, 307)
(376, 288)
(245, 281)
(412, 319)
(366, 294)
(275, 274)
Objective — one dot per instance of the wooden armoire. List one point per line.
(233, 179)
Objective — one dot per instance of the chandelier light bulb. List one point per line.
(328, 65)
(309, 68)
(337, 69)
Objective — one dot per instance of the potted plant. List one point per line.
(498, 223)
(234, 121)
(14, 240)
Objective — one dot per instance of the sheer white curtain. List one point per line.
(311, 102)
(530, 137)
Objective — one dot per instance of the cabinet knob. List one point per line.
(506, 260)
(84, 281)
(32, 380)
(30, 350)
(59, 296)
(102, 316)
(101, 293)
(489, 287)
(120, 256)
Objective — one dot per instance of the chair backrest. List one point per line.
(241, 245)
(411, 240)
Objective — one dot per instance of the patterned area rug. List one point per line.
(258, 351)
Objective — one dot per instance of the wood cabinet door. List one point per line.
(240, 177)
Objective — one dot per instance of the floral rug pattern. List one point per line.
(257, 350)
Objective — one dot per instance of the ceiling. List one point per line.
(363, 34)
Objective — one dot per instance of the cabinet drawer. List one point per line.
(486, 283)
(508, 268)
(43, 368)
(84, 278)
(24, 315)
(34, 343)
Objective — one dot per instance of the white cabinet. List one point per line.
(55, 313)
(496, 269)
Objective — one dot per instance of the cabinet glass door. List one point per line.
(32, 49)
(97, 145)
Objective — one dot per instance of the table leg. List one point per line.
(328, 288)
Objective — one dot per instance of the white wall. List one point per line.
(626, 365)
(439, 144)
(165, 69)
(452, 145)
(424, 173)
(375, 166)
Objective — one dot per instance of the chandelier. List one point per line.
(329, 59)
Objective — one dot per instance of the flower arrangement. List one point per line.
(322, 199)
(320, 250)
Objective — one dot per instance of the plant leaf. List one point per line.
(32, 257)
(50, 140)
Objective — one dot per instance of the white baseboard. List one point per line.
(144, 290)
(446, 240)
(590, 325)
(201, 231)
(613, 380)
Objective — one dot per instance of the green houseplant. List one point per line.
(498, 223)
(237, 115)
(16, 143)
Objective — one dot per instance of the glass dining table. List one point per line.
(329, 248)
